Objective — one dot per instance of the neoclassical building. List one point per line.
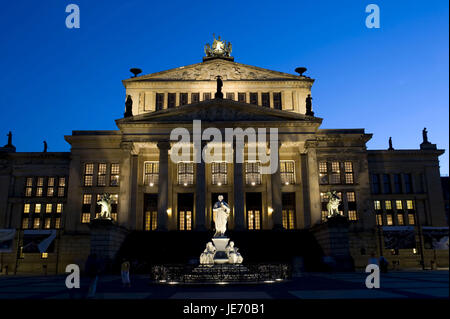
(56, 194)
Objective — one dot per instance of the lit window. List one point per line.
(87, 198)
(47, 223)
(48, 208)
(186, 173)
(388, 204)
(411, 219)
(26, 208)
(389, 219)
(88, 174)
(25, 223)
(36, 223)
(101, 175)
(61, 186)
(86, 218)
(323, 173)
(151, 220)
(115, 171)
(185, 220)
(219, 173)
(287, 172)
(352, 215)
(324, 215)
(409, 204)
(252, 173)
(151, 173)
(59, 208)
(114, 206)
(50, 186)
(58, 223)
(288, 219)
(254, 219)
(400, 220)
(398, 205)
(351, 197)
(335, 173)
(348, 167)
(379, 220)
(377, 205)
(37, 208)
(40, 186)
(44, 255)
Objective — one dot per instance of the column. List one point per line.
(314, 190)
(163, 184)
(277, 204)
(239, 220)
(133, 192)
(200, 195)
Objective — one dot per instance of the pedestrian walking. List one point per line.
(125, 272)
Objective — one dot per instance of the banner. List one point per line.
(435, 237)
(6, 240)
(399, 237)
(38, 241)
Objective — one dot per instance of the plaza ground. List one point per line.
(394, 285)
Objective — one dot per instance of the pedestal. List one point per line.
(220, 243)
(332, 236)
(106, 239)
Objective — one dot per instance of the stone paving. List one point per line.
(394, 285)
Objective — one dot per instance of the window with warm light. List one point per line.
(59, 208)
(398, 205)
(351, 202)
(50, 186)
(114, 176)
(36, 223)
(40, 187)
(377, 204)
(26, 208)
(219, 173)
(185, 173)
(323, 173)
(389, 219)
(335, 177)
(151, 220)
(114, 206)
(88, 177)
(25, 223)
(151, 173)
(37, 208)
(379, 219)
(48, 208)
(61, 186)
(400, 219)
(348, 169)
(252, 173)
(388, 204)
(86, 208)
(29, 186)
(185, 220)
(287, 172)
(47, 223)
(410, 204)
(254, 219)
(411, 219)
(101, 174)
(57, 222)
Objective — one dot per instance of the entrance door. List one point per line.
(253, 204)
(185, 209)
(150, 211)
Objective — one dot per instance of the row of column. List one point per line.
(200, 192)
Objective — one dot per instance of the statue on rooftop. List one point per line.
(9, 139)
(128, 107)
(219, 48)
(219, 94)
(309, 105)
(425, 136)
(45, 147)
(390, 144)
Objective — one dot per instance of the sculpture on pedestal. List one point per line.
(333, 204)
(425, 136)
(309, 105)
(207, 257)
(9, 139)
(105, 202)
(128, 107)
(391, 148)
(221, 211)
(234, 257)
(45, 146)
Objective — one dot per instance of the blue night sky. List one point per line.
(392, 81)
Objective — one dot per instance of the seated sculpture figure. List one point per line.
(234, 257)
(207, 257)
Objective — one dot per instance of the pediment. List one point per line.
(218, 110)
(208, 70)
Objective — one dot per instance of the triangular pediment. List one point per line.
(218, 110)
(208, 70)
